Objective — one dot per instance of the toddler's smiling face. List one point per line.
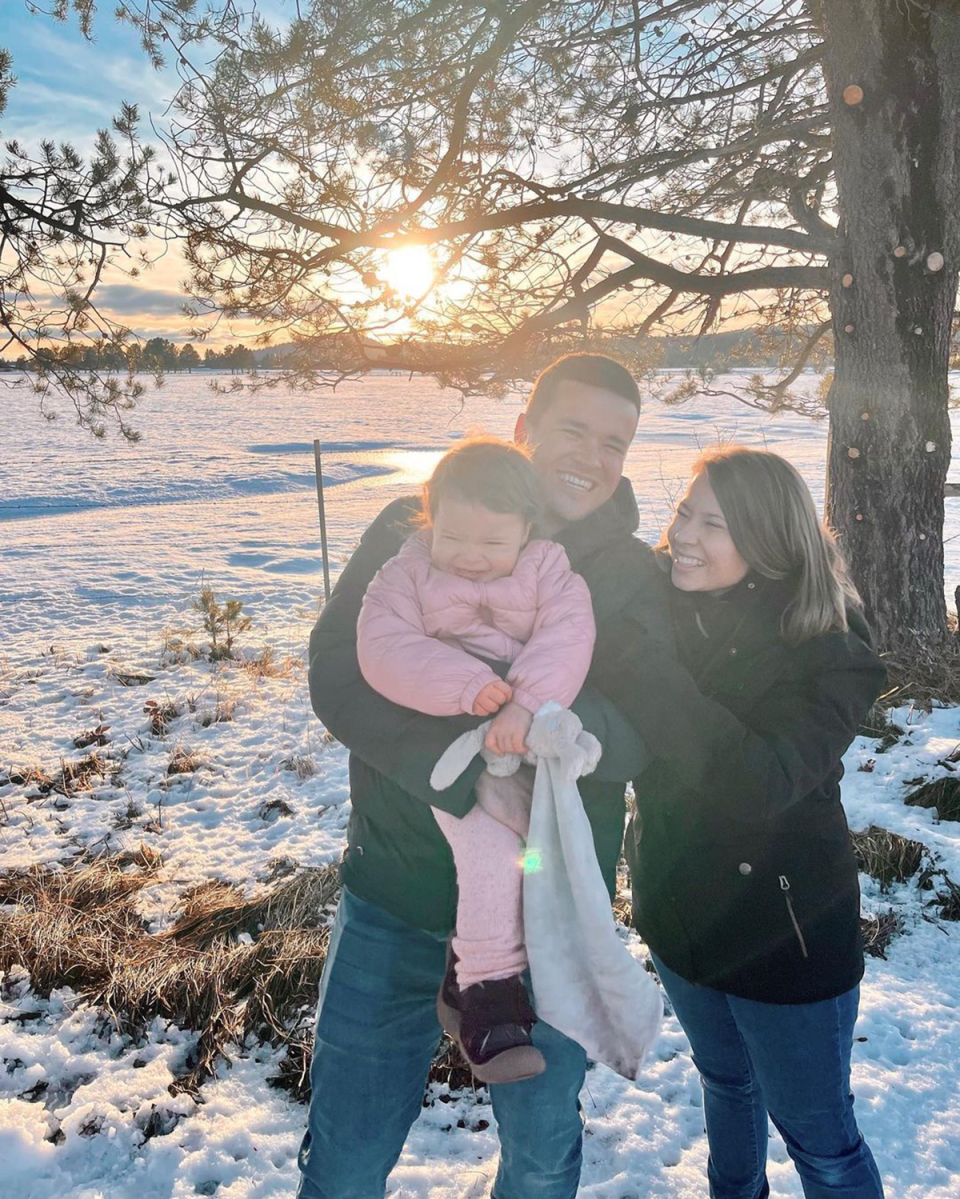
(474, 542)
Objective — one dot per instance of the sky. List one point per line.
(67, 88)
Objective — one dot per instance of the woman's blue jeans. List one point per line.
(377, 1032)
(791, 1060)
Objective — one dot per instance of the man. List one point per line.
(377, 1028)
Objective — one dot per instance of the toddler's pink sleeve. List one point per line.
(554, 663)
(402, 661)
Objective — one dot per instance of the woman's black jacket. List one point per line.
(743, 873)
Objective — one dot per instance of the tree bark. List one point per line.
(897, 158)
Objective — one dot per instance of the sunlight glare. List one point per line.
(409, 271)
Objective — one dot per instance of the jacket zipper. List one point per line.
(785, 888)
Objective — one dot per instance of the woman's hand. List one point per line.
(507, 733)
(492, 697)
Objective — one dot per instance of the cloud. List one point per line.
(126, 299)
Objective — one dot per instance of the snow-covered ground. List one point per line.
(103, 547)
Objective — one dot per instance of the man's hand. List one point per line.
(508, 730)
(492, 697)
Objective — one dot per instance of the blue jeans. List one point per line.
(791, 1060)
(377, 1032)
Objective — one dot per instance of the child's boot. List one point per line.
(495, 1019)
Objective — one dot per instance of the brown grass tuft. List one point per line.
(84, 774)
(879, 930)
(942, 794)
(927, 675)
(300, 765)
(886, 856)
(949, 900)
(28, 776)
(183, 761)
(273, 809)
(216, 911)
(265, 666)
(221, 714)
(162, 715)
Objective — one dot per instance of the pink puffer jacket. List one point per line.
(420, 628)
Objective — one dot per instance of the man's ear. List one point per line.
(520, 429)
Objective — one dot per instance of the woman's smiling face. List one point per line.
(702, 552)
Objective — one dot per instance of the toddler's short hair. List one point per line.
(487, 471)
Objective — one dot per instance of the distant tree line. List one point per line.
(159, 355)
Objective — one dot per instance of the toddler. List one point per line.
(469, 586)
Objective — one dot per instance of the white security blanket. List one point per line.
(585, 982)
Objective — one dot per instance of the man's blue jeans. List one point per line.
(791, 1060)
(377, 1032)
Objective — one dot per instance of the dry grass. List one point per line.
(879, 930)
(949, 900)
(184, 761)
(623, 908)
(927, 675)
(300, 765)
(79, 927)
(879, 725)
(177, 650)
(942, 794)
(273, 809)
(97, 736)
(67, 925)
(28, 776)
(265, 666)
(886, 856)
(221, 713)
(84, 774)
(216, 911)
(161, 715)
(129, 678)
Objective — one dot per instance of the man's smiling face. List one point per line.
(579, 443)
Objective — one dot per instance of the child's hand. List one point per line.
(491, 698)
(507, 733)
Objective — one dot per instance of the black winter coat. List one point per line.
(743, 873)
(396, 856)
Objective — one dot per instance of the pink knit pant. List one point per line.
(488, 855)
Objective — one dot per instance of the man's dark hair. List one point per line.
(595, 370)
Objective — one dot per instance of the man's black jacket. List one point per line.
(396, 856)
(744, 877)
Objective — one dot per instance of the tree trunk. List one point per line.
(897, 160)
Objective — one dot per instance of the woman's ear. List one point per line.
(526, 532)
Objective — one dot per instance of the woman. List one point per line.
(744, 879)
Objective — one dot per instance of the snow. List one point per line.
(103, 548)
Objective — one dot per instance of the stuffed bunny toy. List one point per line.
(555, 733)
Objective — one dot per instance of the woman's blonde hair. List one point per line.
(774, 525)
(487, 471)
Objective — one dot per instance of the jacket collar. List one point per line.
(619, 517)
(749, 613)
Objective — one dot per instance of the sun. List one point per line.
(409, 271)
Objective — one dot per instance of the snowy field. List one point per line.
(103, 548)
